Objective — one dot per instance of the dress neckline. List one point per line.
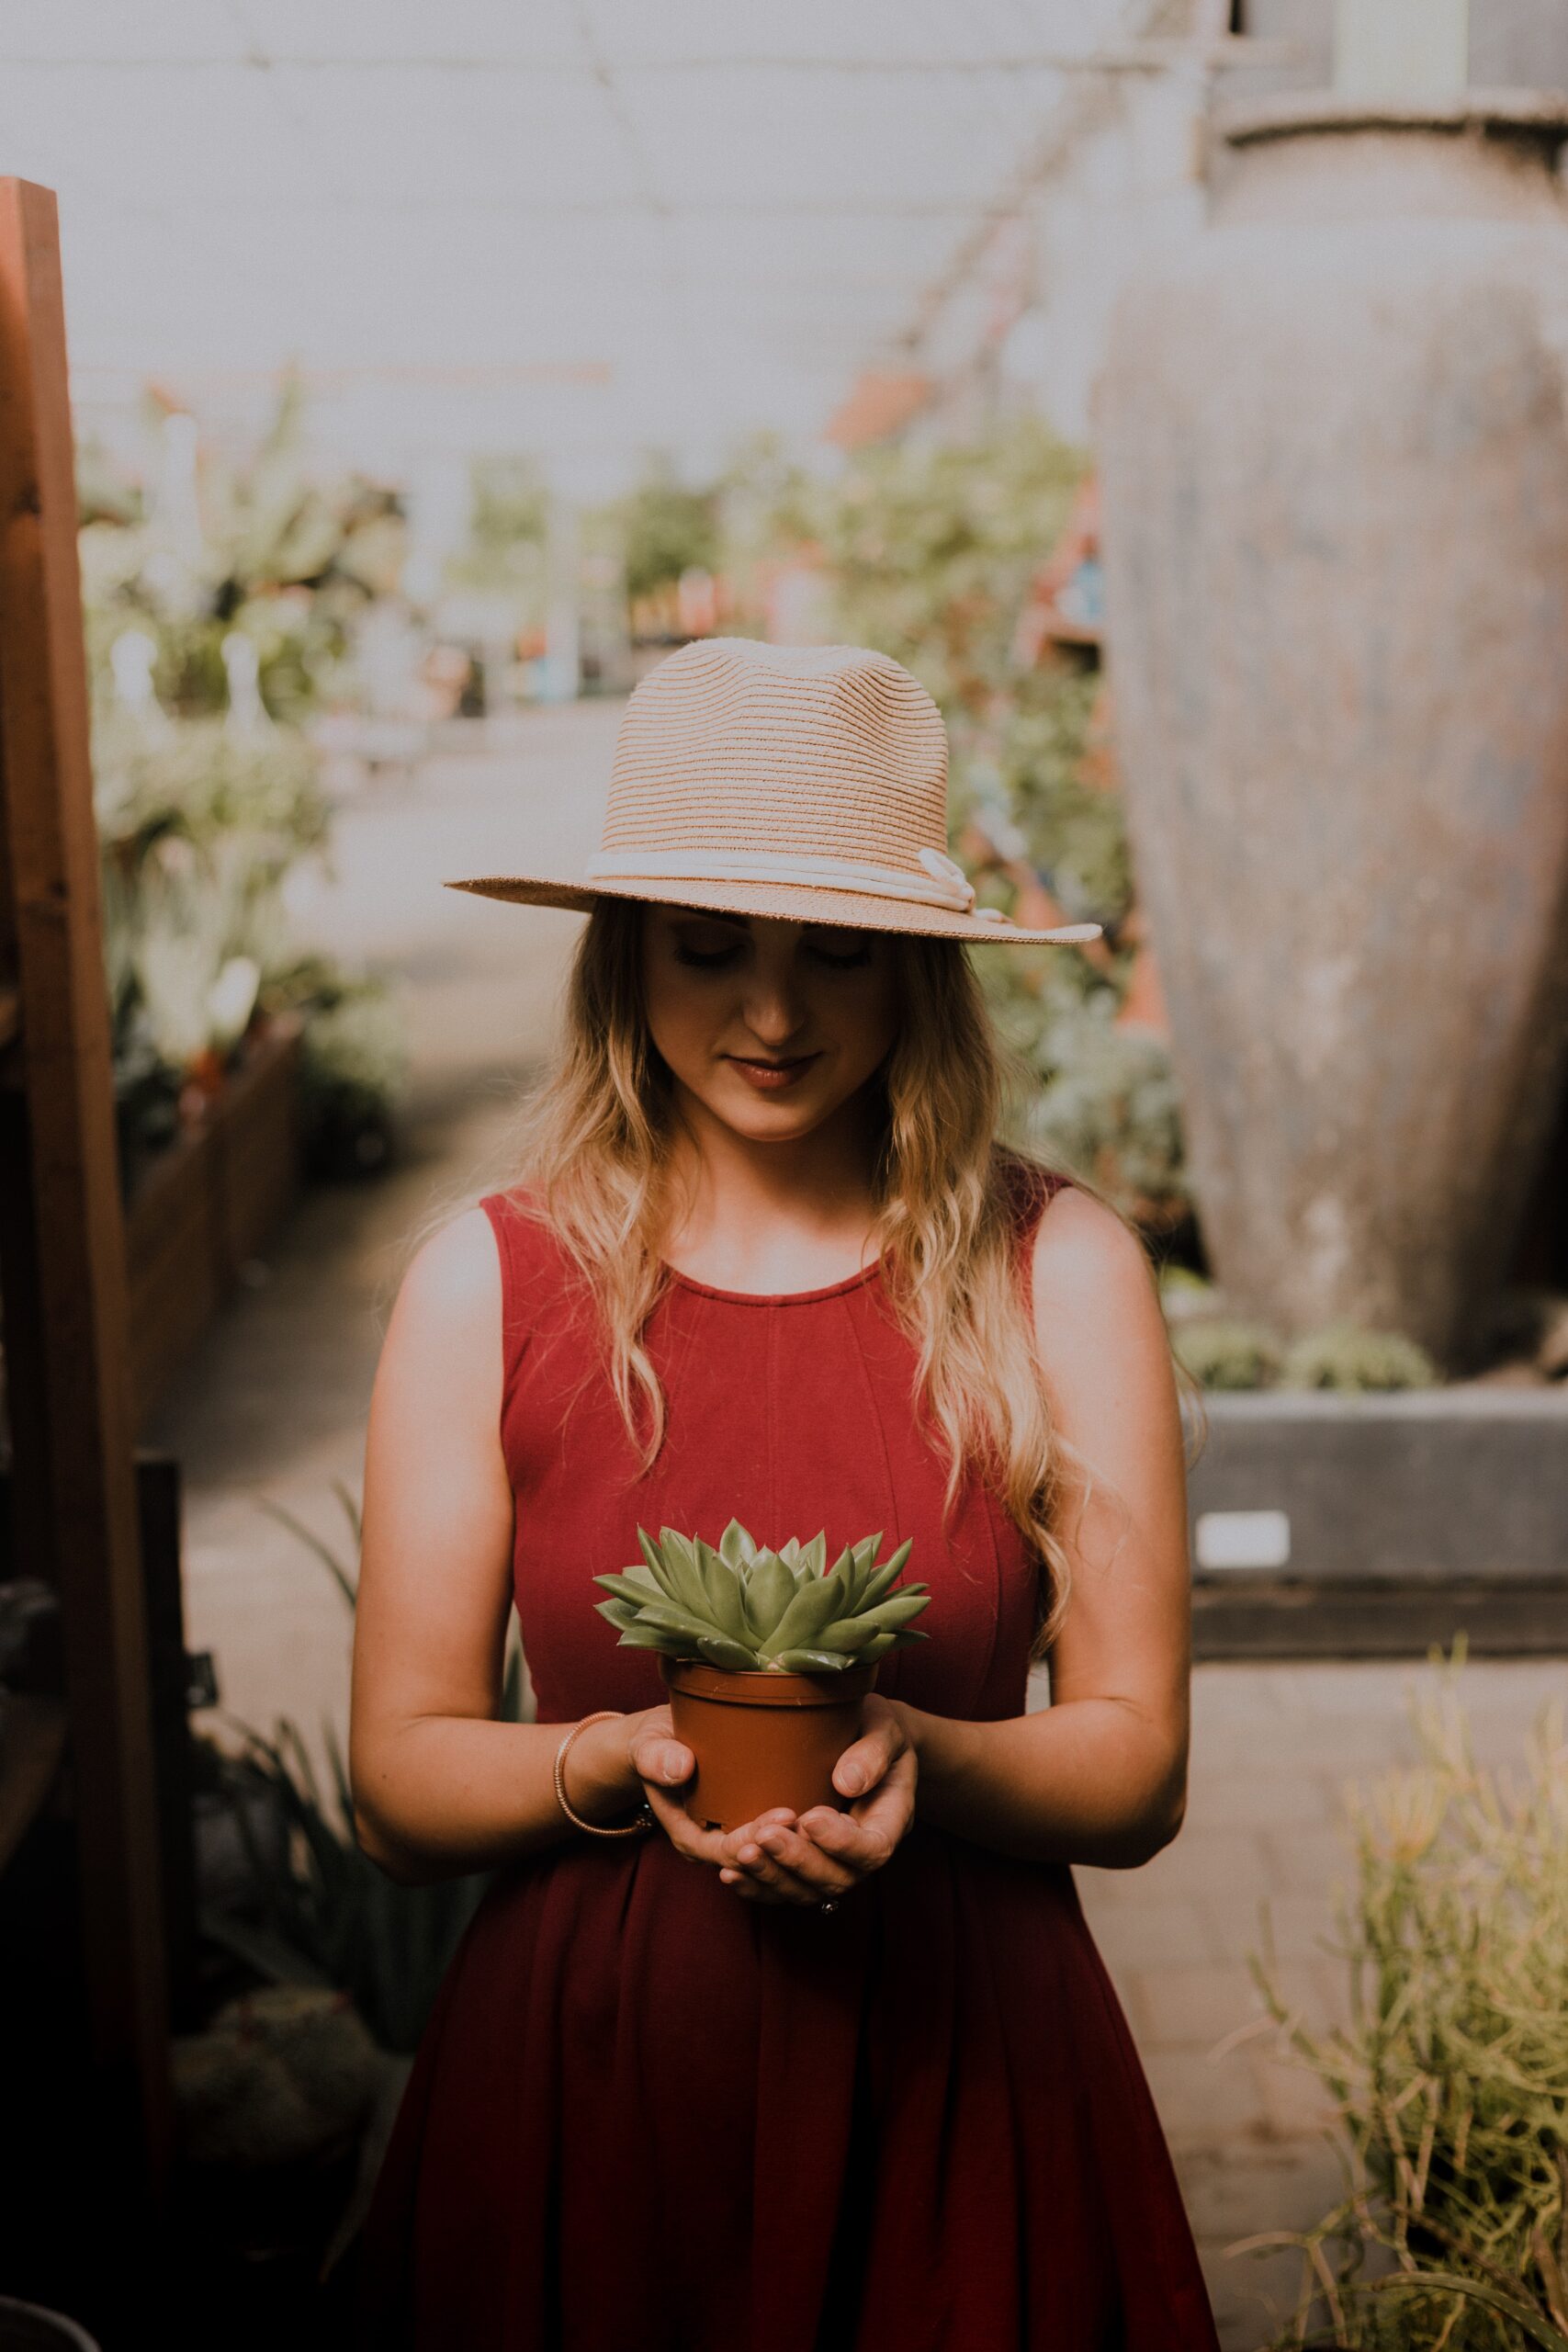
(770, 1297)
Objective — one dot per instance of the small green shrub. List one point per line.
(1342, 1355)
(319, 1911)
(354, 1072)
(1182, 1290)
(1222, 1352)
(1109, 1107)
(1452, 2078)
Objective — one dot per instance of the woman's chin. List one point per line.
(769, 1118)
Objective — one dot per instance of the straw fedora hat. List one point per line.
(801, 781)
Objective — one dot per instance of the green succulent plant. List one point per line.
(1223, 1352)
(752, 1610)
(1342, 1355)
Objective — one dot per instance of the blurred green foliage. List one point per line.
(317, 1910)
(662, 526)
(1223, 1352)
(206, 801)
(256, 545)
(1232, 1351)
(931, 548)
(505, 550)
(1450, 2078)
(1342, 1355)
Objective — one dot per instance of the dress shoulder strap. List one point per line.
(1028, 1190)
(532, 1270)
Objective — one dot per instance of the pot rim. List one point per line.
(697, 1680)
(1527, 115)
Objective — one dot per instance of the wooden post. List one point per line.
(61, 1227)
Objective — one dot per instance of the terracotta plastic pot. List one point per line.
(763, 1739)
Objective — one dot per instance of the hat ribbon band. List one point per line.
(944, 884)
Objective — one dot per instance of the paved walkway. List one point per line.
(273, 1410)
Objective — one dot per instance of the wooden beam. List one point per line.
(62, 1228)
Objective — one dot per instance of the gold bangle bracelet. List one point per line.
(641, 1821)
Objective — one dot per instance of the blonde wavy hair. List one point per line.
(591, 1155)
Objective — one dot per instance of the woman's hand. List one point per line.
(663, 1763)
(824, 1854)
(612, 1764)
(615, 1761)
(780, 1857)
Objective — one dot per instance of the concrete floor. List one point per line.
(272, 1411)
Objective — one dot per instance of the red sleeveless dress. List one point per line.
(649, 2116)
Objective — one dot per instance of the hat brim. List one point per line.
(785, 902)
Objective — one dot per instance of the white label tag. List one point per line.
(1243, 1539)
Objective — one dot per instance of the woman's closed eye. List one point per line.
(703, 959)
(848, 958)
(712, 951)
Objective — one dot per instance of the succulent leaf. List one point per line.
(642, 1636)
(638, 1592)
(741, 1606)
(843, 1569)
(862, 1557)
(676, 1621)
(723, 1591)
(878, 1586)
(769, 1592)
(848, 1633)
(736, 1547)
(737, 1655)
(655, 1560)
(888, 1615)
(685, 1577)
(620, 1613)
(815, 1605)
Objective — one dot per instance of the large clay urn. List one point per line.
(1334, 436)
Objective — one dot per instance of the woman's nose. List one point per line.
(773, 1007)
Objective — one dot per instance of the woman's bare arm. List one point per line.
(1099, 1776)
(440, 1786)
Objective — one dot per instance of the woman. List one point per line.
(857, 2078)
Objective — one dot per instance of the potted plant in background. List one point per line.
(767, 1656)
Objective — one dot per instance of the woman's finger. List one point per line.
(748, 1888)
(747, 1833)
(752, 1878)
(868, 1760)
(855, 1846)
(889, 1808)
(866, 1836)
(698, 1845)
(659, 1757)
(796, 1865)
